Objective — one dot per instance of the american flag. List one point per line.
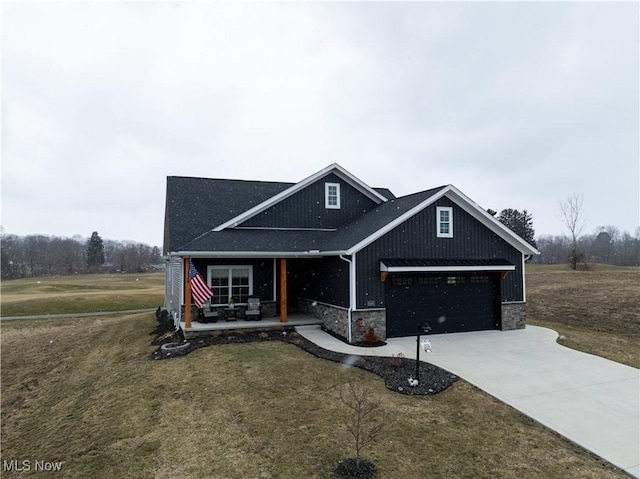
(199, 288)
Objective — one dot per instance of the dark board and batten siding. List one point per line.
(416, 238)
(319, 279)
(306, 208)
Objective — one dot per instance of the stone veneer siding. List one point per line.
(335, 319)
(363, 319)
(268, 309)
(514, 316)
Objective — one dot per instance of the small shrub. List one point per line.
(371, 337)
(397, 361)
(263, 335)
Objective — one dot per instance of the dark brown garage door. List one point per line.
(451, 302)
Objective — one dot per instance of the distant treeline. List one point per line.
(41, 255)
(607, 245)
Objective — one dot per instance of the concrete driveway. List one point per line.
(592, 401)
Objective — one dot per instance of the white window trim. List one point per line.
(438, 222)
(326, 196)
(229, 267)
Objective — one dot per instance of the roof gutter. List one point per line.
(251, 254)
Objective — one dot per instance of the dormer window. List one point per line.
(444, 220)
(332, 196)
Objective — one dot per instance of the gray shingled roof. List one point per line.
(191, 218)
(259, 240)
(374, 220)
(195, 205)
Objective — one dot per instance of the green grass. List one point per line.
(81, 293)
(91, 397)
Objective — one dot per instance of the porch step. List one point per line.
(208, 329)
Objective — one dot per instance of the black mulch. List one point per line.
(394, 371)
(353, 469)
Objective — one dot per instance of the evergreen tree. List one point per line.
(521, 223)
(95, 251)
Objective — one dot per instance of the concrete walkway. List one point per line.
(592, 401)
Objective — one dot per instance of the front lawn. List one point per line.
(85, 392)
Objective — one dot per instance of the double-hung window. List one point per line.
(332, 195)
(233, 281)
(444, 221)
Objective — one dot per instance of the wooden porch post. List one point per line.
(187, 293)
(283, 290)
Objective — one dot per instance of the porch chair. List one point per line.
(209, 313)
(253, 309)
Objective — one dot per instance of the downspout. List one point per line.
(351, 294)
(525, 258)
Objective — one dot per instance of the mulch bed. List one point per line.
(394, 371)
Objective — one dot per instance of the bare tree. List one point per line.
(365, 424)
(573, 216)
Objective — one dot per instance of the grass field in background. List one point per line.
(596, 311)
(81, 293)
(88, 395)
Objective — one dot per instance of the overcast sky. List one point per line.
(518, 105)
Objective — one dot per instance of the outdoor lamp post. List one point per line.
(422, 328)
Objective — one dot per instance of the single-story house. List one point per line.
(356, 257)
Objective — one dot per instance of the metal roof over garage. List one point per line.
(443, 264)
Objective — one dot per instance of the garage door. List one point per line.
(448, 302)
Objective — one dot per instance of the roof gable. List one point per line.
(464, 202)
(333, 169)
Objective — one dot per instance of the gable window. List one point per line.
(332, 196)
(233, 281)
(444, 220)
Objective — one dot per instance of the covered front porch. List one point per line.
(283, 287)
(265, 324)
